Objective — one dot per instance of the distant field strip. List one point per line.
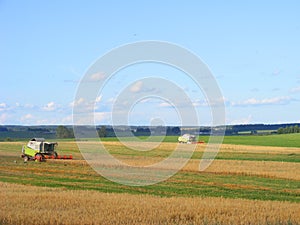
(282, 140)
(39, 205)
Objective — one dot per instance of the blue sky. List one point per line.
(251, 47)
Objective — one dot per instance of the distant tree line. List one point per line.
(289, 130)
(64, 132)
(38, 129)
(104, 131)
(173, 131)
(141, 131)
(3, 129)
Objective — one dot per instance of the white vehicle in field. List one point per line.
(187, 139)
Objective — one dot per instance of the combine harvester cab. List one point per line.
(38, 149)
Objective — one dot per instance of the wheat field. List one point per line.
(243, 185)
(39, 205)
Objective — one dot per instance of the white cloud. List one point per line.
(165, 104)
(146, 100)
(213, 103)
(194, 103)
(281, 100)
(101, 117)
(199, 102)
(98, 99)
(86, 106)
(46, 121)
(50, 106)
(153, 100)
(246, 120)
(97, 77)
(295, 89)
(136, 87)
(3, 106)
(77, 102)
(67, 120)
(3, 118)
(216, 101)
(178, 104)
(26, 117)
(30, 106)
(90, 118)
(15, 107)
(85, 103)
(111, 100)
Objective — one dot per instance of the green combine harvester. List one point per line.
(38, 149)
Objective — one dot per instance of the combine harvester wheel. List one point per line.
(38, 157)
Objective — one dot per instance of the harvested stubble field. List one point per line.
(244, 185)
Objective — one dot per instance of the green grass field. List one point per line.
(283, 140)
